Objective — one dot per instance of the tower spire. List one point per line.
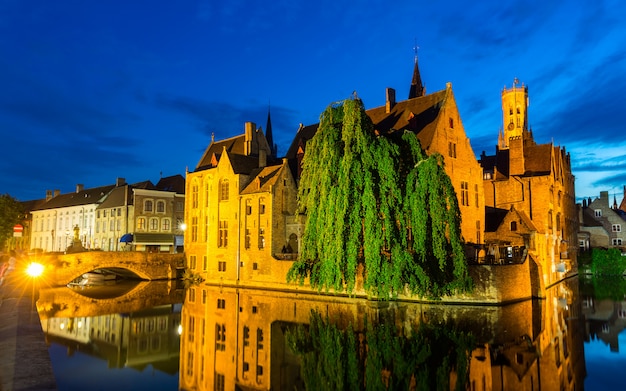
(417, 88)
(268, 134)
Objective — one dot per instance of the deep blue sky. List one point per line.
(91, 91)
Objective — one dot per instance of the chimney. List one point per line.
(80, 187)
(120, 182)
(249, 131)
(48, 195)
(604, 198)
(56, 192)
(390, 99)
(262, 158)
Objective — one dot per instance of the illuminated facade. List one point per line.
(239, 212)
(532, 183)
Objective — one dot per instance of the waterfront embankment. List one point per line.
(24, 359)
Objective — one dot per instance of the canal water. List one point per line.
(163, 336)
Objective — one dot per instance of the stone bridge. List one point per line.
(61, 269)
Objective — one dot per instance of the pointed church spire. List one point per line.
(268, 135)
(417, 88)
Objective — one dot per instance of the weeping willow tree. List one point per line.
(381, 357)
(377, 202)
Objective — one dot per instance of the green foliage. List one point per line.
(379, 202)
(608, 262)
(604, 287)
(10, 214)
(383, 358)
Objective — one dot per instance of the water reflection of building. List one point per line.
(605, 319)
(237, 338)
(136, 339)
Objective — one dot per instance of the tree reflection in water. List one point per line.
(382, 356)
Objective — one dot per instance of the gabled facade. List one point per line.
(436, 122)
(239, 212)
(142, 217)
(603, 223)
(535, 179)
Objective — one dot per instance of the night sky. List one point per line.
(91, 91)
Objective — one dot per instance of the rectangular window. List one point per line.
(205, 263)
(598, 212)
(192, 262)
(262, 206)
(223, 234)
(261, 237)
(617, 228)
(194, 196)
(221, 266)
(194, 229)
(617, 242)
(112, 225)
(247, 239)
(224, 191)
(476, 195)
(221, 304)
(464, 193)
(192, 295)
(204, 294)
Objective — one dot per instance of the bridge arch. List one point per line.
(64, 268)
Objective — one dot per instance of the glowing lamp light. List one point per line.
(180, 329)
(34, 269)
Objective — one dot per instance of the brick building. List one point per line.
(534, 184)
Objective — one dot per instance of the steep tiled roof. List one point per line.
(243, 164)
(419, 115)
(117, 197)
(262, 179)
(538, 159)
(233, 145)
(84, 197)
(175, 183)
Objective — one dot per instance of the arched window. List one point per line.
(147, 206)
(165, 225)
(154, 224)
(141, 223)
(160, 206)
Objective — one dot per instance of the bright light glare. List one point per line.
(34, 269)
(180, 329)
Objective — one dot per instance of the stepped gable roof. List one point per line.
(233, 145)
(419, 115)
(263, 179)
(175, 183)
(84, 197)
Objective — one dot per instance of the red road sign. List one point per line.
(17, 230)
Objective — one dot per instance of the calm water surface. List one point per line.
(160, 336)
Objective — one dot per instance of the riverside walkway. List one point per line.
(24, 360)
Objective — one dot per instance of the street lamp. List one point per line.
(34, 270)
